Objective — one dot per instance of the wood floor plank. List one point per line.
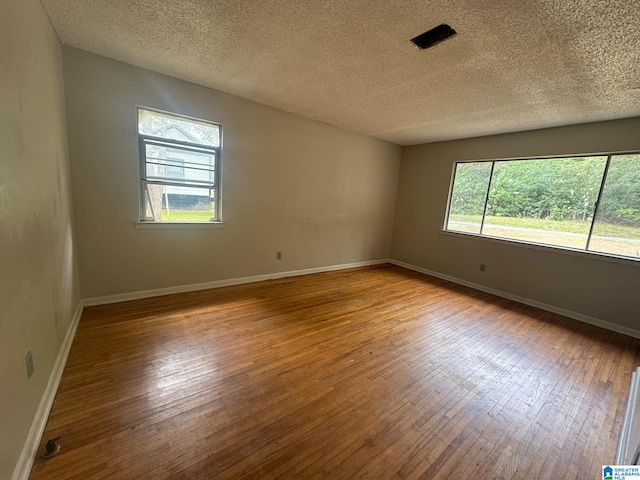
(374, 372)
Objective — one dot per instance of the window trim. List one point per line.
(177, 225)
(143, 139)
(591, 254)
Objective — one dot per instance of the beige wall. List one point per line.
(319, 194)
(589, 286)
(38, 280)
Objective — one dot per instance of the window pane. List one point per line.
(179, 165)
(172, 127)
(166, 203)
(617, 226)
(468, 196)
(547, 201)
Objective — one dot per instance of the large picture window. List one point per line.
(589, 203)
(179, 168)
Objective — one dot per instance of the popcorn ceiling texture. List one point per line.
(513, 66)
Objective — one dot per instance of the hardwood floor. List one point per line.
(377, 373)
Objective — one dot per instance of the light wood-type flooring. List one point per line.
(374, 373)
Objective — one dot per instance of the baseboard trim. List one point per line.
(125, 297)
(30, 449)
(527, 301)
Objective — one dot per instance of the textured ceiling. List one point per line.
(514, 65)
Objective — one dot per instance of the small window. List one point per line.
(589, 203)
(179, 168)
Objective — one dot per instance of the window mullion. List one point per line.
(597, 205)
(193, 184)
(175, 165)
(486, 198)
(164, 142)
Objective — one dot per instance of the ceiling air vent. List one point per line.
(434, 36)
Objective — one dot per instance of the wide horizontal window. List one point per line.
(179, 168)
(589, 203)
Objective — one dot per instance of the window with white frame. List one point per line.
(588, 203)
(179, 168)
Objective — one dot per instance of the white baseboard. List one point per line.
(124, 297)
(527, 301)
(29, 451)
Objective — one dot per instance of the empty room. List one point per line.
(377, 240)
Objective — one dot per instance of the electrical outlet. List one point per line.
(482, 267)
(28, 360)
(278, 255)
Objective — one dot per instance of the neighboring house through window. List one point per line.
(179, 168)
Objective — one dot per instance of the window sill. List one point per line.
(606, 257)
(163, 225)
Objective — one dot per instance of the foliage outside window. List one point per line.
(179, 168)
(584, 203)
